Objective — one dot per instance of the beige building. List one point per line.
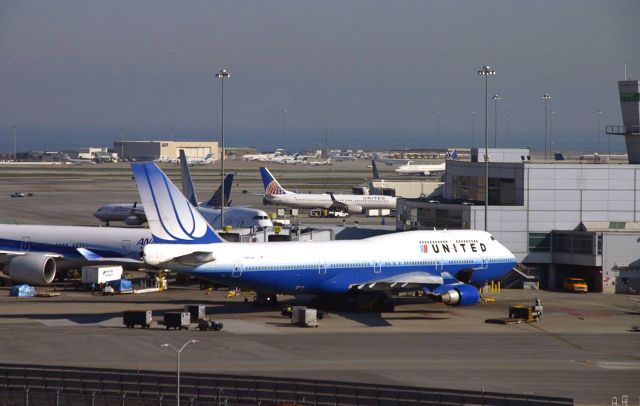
(165, 150)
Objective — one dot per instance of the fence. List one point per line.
(43, 385)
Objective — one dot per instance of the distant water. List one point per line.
(56, 139)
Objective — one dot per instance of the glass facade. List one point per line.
(566, 242)
(502, 191)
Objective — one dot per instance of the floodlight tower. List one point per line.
(486, 71)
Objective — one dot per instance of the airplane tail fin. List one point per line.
(187, 183)
(271, 185)
(453, 155)
(374, 168)
(171, 218)
(216, 198)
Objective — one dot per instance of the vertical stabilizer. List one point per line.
(171, 217)
(271, 185)
(188, 190)
(374, 169)
(216, 198)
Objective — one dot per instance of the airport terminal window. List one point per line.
(599, 245)
(540, 242)
(573, 243)
(502, 191)
(429, 217)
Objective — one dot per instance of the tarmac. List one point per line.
(583, 348)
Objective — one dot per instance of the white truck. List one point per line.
(101, 274)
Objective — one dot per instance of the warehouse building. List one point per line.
(165, 150)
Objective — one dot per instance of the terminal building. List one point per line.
(165, 150)
(559, 218)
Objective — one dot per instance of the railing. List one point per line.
(621, 129)
(23, 384)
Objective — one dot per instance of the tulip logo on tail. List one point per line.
(171, 217)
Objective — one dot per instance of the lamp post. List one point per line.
(508, 120)
(178, 351)
(473, 128)
(222, 75)
(122, 143)
(495, 99)
(486, 71)
(546, 97)
(599, 114)
(551, 132)
(438, 129)
(284, 128)
(13, 129)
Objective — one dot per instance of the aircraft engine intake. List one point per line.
(34, 269)
(354, 208)
(461, 295)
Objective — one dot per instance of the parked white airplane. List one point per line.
(423, 170)
(277, 195)
(446, 264)
(318, 163)
(208, 159)
(388, 160)
(69, 160)
(263, 157)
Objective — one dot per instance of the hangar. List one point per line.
(165, 150)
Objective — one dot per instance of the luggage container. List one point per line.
(100, 274)
(303, 317)
(177, 320)
(121, 285)
(197, 312)
(132, 318)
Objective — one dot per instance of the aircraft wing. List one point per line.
(409, 280)
(20, 253)
(92, 256)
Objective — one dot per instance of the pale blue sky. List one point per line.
(372, 72)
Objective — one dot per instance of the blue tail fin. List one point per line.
(187, 183)
(271, 185)
(374, 168)
(171, 218)
(216, 198)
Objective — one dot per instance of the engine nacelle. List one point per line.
(461, 295)
(354, 208)
(134, 220)
(34, 269)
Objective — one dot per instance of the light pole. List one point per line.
(546, 97)
(14, 142)
(486, 71)
(508, 120)
(171, 132)
(178, 351)
(438, 129)
(551, 132)
(473, 128)
(284, 128)
(122, 143)
(495, 99)
(599, 114)
(222, 75)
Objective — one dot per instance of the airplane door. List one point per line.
(237, 270)
(126, 244)
(439, 266)
(484, 264)
(322, 268)
(25, 243)
(377, 267)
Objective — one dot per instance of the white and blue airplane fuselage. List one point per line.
(449, 264)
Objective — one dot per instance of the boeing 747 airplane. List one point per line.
(446, 264)
(277, 195)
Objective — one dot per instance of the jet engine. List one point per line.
(34, 269)
(134, 220)
(461, 295)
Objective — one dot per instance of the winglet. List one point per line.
(88, 254)
(171, 218)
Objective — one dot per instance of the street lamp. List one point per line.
(438, 129)
(486, 71)
(473, 128)
(222, 75)
(546, 97)
(599, 114)
(178, 351)
(13, 129)
(551, 131)
(495, 99)
(508, 120)
(284, 128)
